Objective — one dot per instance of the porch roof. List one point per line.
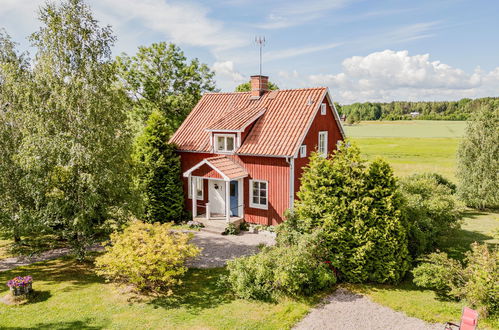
(227, 168)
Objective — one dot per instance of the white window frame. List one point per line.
(199, 184)
(225, 136)
(303, 151)
(259, 206)
(322, 150)
(323, 108)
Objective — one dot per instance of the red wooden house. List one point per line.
(243, 153)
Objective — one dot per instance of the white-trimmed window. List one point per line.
(323, 108)
(259, 194)
(322, 146)
(303, 151)
(199, 187)
(224, 142)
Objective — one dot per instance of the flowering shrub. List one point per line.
(20, 285)
(150, 257)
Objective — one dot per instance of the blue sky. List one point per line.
(361, 50)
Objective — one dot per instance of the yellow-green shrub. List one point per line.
(150, 257)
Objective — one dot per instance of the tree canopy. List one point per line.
(246, 87)
(399, 110)
(67, 128)
(478, 160)
(160, 77)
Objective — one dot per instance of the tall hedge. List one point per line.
(358, 208)
(478, 160)
(159, 172)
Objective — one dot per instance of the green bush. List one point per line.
(478, 160)
(147, 256)
(439, 273)
(159, 172)
(476, 281)
(281, 270)
(358, 209)
(231, 229)
(430, 210)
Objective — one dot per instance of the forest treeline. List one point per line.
(400, 110)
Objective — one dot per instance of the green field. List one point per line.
(411, 146)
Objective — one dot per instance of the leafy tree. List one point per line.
(159, 77)
(431, 209)
(16, 202)
(398, 110)
(79, 145)
(478, 160)
(358, 208)
(159, 172)
(246, 87)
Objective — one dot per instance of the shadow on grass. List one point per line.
(56, 271)
(83, 325)
(458, 242)
(199, 290)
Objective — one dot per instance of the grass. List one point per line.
(70, 295)
(407, 129)
(423, 304)
(411, 146)
(30, 245)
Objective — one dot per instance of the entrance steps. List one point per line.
(217, 225)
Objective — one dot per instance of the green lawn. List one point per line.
(411, 146)
(69, 295)
(423, 304)
(407, 129)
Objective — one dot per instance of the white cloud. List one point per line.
(395, 75)
(182, 22)
(226, 74)
(292, 52)
(297, 13)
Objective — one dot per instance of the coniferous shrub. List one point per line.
(150, 257)
(430, 209)
(159, 172)
(478, 160)
(357, 207)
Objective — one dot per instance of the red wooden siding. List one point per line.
(272, 169)
(207, 172)
(325, 122)
(276, 172)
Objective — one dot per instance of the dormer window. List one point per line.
(224, 142)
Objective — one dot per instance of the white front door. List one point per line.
(216, 196)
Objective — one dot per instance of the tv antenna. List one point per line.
(260, 41)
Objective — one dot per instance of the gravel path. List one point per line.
(217, 249)
(346, 310)
(9, 263)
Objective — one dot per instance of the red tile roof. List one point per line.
(237, 119)
(228, 167)
(278, 132)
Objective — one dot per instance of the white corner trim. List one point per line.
(309, 124)
(335, 114)
(291, 182)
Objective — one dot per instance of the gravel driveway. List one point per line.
(346, 310)
(217, 249)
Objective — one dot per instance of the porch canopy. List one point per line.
(220, 168)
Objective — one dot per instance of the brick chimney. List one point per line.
(259, 85)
